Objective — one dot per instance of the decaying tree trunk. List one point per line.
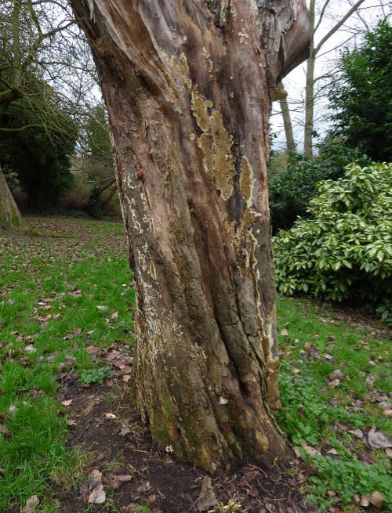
(187, 84)
(9, 213)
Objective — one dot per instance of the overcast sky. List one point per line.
(349, 35)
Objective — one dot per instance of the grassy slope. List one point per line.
(73, 267)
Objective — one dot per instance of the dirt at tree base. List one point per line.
(102, 425)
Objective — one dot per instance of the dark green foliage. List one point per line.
(94, 207)
(37, 136)
(39, 155)
(291, 191)
(362, 96)
(345, 250)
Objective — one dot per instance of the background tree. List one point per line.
(46, 76)
(188, 88)
(9, 213)
(38, 154)
(336, 25)
(97, 159)
(362, 98)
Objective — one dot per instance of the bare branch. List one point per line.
(337, 26)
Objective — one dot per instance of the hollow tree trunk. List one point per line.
(187, 85)
(9, 213)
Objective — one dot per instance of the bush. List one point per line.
(345, 251)
(291, 191)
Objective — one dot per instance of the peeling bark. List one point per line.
(188, 88)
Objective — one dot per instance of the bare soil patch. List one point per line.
(104, 426)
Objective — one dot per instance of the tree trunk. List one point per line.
(187, 86)
(288, 126)
(309, 88)
(9, 213)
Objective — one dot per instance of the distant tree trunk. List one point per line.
(288, 126)
(309, 88)
(9, 213)
(188, 89)
(314, 51)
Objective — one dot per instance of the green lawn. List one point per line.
(334, 417)
(60, 291)
(67, 285)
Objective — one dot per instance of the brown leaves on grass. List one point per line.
(31, 504)
(379, 440)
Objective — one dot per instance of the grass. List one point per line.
(70, 287)
(321, 416)
(57, 297)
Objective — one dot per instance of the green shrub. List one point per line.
(345, 250)
(291, 190)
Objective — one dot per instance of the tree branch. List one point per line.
(337, 26)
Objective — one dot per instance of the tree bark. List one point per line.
(309, 87)
(188, 89)
(9, 213)
(288, 126)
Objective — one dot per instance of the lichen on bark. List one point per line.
(215, 143)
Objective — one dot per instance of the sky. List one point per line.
(347, 37)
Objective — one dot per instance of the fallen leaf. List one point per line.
(377, 499)
(110, 416)
(356, 432)
(68, 402)
(364, 502)
(378, 439)
(97, 496)
(102, 308)
(310, 450)
(145, 487)
(31, 504)
(207, 498)
(284, 332)
(336, 374)
(30, 349)
(297, 452)
(334, 452)
(116, 481)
